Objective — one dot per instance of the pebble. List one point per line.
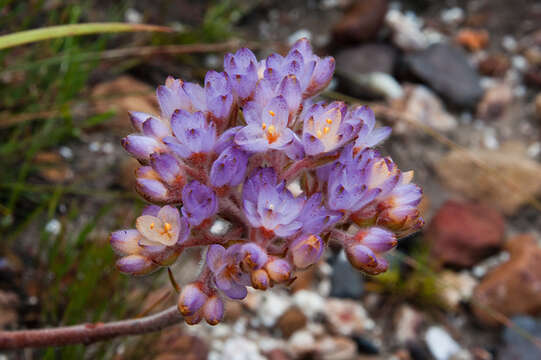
(421, 104)
(518, 347)
(495, 102)
(446, 69)
(406, 28)
(311, 303)
(291, 321)
(299, 34)
(347, 317)
(441, 344)
(494, 65)
(537, 102)
(361, 22)
(407, 322)
(513, 287)
(458, 287)
(238, 348)
(472, 39)
(461, 234)
(459, 173)
(346, 282)
(273, 305)
(452, 15)
(53, 227)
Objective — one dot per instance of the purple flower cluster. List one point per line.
(281, 174)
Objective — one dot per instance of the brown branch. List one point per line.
(88, 333)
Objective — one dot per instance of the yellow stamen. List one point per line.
(152, 226)
(263, 126)
(319, 134)
(271, 113)
(329, 121)
(326, 129)
(167, 226)
(272, 135)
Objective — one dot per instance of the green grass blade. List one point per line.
(29, 36)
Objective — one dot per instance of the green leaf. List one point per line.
(53, 32)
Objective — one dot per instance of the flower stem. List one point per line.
(88, 333)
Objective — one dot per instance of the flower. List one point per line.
(314, 73)
(162, 228)
(369, 136)
(229, 168)
(266, 129)
(225, 152)
(228, 276)
(315, 217)
(275, 209)
(242, 70)
(193, 134)
(198, 202)
(328, 127)
(347, 189)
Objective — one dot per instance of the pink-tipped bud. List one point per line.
(307, 250)
(361, 257)
(377, 239)
(140, 146)
(193, 319)
(279, 270)
(260, 279)
(213, 310)
(135, 265)
(191, 299)
(125, 242)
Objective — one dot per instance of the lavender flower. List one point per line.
(328, 127)
(266, 129)
(227, 150)
(275, 209)
(199, 202)
(229, 168)
(242, 70)
(228, 276)
(193, 134)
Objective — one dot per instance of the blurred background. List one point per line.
(460, 83)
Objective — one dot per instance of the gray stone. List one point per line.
(517, 346)
(445, 69)
(346, 282)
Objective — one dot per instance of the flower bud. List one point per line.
(260, 279)
(125, 242)
(141, 146)
(191, 299)
(377, 239)
(135, 265)
(361, 257)
(213, 310)
(253, 257)
(279, 270)
(193, 319)
(307, 250)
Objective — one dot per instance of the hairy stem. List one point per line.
(88, 333)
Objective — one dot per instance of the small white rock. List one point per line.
(452, 16)
(311, 303)
(53, 227)
(273, 305)
(441, 344)
(133, 16)
(66, 152)
(299, 34)
(238, 348)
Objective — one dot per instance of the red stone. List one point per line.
(462, 234)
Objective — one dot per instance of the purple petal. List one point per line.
(191, 299)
